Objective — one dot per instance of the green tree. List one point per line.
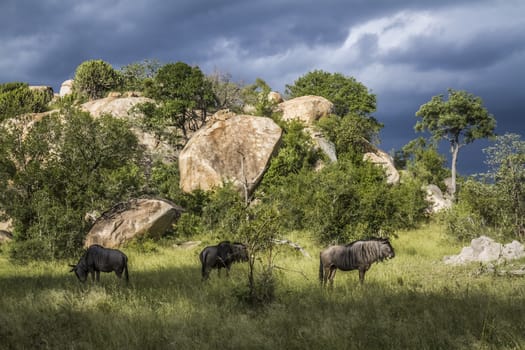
(460, 120)
(352, 134)
(256, 95)
(424, 162)
(17, 98)
(507, 170)
(94, 78)
(135, 76)
(184, 96)
(59, 169)
(227, 93)
(347, 94)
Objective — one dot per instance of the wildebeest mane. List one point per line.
(366, 251)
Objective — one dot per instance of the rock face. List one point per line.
(383, 159)
(5, 236)
(307, 109)
(117, 106)
(120, 107)
(131, 219)
(275, 97)
(66, 88)
(230, 147)
(6, 224)
(485, 249)
(437, 201)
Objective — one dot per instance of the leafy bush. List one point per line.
(347, 94)
(135, 76)
(28, 250)
(494, 204)
(17, 98)
(95, 78)
(64, 167)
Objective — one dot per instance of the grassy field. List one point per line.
(410, 302)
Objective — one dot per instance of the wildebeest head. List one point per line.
(386, 249)
(80, 270)
(239, 252)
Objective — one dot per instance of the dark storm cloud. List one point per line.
(404, 51)
(485, 49)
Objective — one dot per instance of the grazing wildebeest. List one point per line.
(358, 255)
(98, 258)
(221, 256)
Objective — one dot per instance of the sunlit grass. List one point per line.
(413, 301)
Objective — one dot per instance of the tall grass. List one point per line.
(410, 302)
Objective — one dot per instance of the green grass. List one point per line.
(413, 301)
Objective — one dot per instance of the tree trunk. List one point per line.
(454, 149)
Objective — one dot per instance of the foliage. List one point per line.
(347, 94)
(184, 96)
(62, 167)
(460, 120)
(345, 201)
(259, 230)
(136, 76)
(423, 162)
(228, 95)
(223, 211)
(17, 98)
(353, 134)
(94, 78)
(477, 212)
(494, 205)
(295, 153)
(256, 95)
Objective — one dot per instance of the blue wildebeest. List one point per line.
(98, 258)
(222, 255)
(358, 255)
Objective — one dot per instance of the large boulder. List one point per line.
(66, 88)
(6, 224)
(5, 236)
(229, 148)
(131, 219)
(309, 109)
(117, 106)
(485, 249)
(384, 160)
(436, 199)
(122, 107)
(306, 109)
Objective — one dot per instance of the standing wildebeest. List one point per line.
(221, 255)
(356, 255)
(98, 258)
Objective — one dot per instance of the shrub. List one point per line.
(16, 98)
(95, 78)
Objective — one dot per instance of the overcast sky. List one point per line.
(404, 51)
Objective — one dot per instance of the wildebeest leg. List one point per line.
(205, 273)
(362, 271)
(333, 269)
(326, 275)
(97, 272)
